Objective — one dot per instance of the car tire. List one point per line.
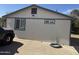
(9, 39)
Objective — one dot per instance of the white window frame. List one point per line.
(22, 25)
(49, 21)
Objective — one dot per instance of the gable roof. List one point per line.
(39, 7)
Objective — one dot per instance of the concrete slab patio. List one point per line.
(33, 47)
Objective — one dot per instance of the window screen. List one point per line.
(34, 11)
(49, 21)
(20, 23)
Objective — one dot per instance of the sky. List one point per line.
(62, 8)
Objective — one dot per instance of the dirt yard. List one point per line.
(33, 47)
(75, 41)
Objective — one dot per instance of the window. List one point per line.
(49, 21)
(46, 22)
(34, 11)
(17, 22)
(20, 23)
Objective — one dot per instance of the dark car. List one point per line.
(6, 36)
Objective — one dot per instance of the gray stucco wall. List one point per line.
(37, 30)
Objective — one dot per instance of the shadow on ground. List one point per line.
(75, 43)
(10, 49)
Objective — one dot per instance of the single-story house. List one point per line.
(38, 23)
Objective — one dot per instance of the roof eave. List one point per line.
(39, 7)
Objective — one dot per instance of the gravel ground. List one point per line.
(33, 47)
